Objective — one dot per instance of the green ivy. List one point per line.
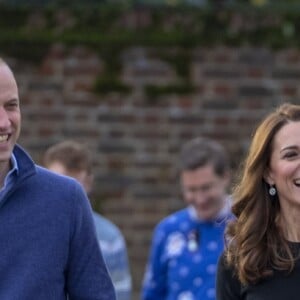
(154, 91)
(173, 31)
(104, 85)
(179, 59)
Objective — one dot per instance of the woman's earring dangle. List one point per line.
(272, 191)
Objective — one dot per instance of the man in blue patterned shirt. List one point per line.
(186, 245)
(73, 159)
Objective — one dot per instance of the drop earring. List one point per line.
(272, 191)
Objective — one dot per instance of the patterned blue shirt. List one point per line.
(183, 258)
(114, 252)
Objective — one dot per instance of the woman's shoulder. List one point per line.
(228, 285)
(223, 265)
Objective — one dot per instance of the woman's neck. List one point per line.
(290, 225)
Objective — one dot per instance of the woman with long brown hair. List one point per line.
(261, 259)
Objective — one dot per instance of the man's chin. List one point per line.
(206, 216)
(5, 157)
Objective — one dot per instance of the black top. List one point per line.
(280, 286)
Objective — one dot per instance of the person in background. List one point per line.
(262, 256)
(73, 159)
(186, 245)
(49, 248)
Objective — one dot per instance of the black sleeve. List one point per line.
(228, 286)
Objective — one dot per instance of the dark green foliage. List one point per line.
(108, 27)
(12, 18)
(179, 59)
(154, 91)
(105, 85)
(32, 51)
(184, 27)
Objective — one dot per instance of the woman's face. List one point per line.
(284, 169)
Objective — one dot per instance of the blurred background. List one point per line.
(135, 79)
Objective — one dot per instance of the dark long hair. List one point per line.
(255, 243)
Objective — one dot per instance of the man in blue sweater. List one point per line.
(49, 249)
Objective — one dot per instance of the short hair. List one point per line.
(3, 63)
(72, 155)
(202, 151)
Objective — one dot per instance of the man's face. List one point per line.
(10, 115)
(204, 190)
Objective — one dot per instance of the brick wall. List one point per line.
(135, 140)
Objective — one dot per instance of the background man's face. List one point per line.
(81, 176)
(204, 190)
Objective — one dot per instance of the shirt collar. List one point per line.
(14, 163)
(14, 169)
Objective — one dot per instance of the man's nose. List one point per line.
(199, 195)
(4, 119)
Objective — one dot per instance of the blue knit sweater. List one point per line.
(183, 257)
(48, 245)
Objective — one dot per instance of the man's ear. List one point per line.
(89, 180)
(227, 178)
